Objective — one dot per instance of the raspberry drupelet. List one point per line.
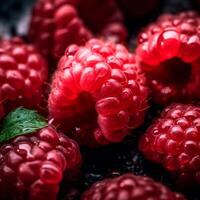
(23, 73)
(173, 141)
(130, 187)
(32, 166)
(56, 24)
(98, 92)
(168, 52)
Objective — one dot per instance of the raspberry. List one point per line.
(173, 141)
(58, 23)
(32, 166)
(100, 90)
(137, 9)
(128, 187)
(23, 73)
(168, 54)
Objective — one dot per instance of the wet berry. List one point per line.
(23, 74)
(168, 54)
(32, 166)
(173, 141)
(99, 92)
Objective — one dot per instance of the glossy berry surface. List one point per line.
(130, 187)
(99, 90)
(57, 24)
(168, 54)
(32, 166)
(173, 141)
(23, 73)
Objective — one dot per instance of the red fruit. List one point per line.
(99, 91)
(58, 23)
(32, 166)
(23, 73)
(173, 141)
(130, 187)
(136, 9)
(168, 52)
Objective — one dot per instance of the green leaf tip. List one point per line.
(20, 122)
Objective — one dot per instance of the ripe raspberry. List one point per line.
(58, 23)
(129, 187)
(168, 53)
(173, 141)
(23, 73)
(55, 25)
(100, 90)
(137, 9)
(32, 166)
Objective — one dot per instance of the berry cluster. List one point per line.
(97, 94)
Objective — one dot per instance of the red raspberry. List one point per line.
(173, 141)
(100, 91)
(130, 187)
(137, 9)
(23, 73)
(168, 51)
(32, 166)
(55, 25)
(58, 23)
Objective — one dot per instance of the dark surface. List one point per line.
(111, 160)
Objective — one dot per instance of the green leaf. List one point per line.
(19, 122)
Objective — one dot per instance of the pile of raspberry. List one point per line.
(87, 115)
